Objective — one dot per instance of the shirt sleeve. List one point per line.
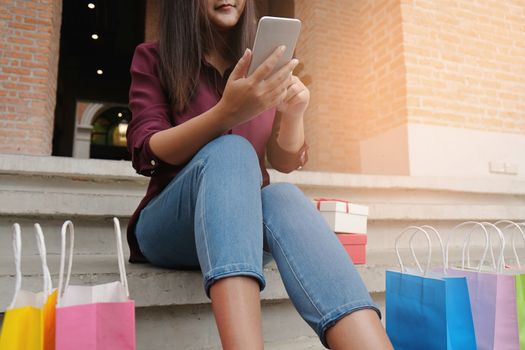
(281, 159)
(150, 112)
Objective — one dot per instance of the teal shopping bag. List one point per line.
(426, 310)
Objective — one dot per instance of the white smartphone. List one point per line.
(273, 32)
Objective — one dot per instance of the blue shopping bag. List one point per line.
(460, 325)
(415, 311)
(428, 310)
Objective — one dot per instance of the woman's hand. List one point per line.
(246, 97)
(297, 99)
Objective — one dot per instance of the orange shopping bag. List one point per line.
(29, 321)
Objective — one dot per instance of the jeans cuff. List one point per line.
(332, 317)
(230, 271)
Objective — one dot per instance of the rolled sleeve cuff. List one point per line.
(152, 165)
(287, 161)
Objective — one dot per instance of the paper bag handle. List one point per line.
(514, 244)
(497, 266)
(17, 250)
(450, 237)
(518, 227)
(48, 284)
(120, 257)
(398, 238)
(440, 245)
(63, 239)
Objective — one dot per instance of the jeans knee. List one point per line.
(230, 157)
(282, 191)
(232, 145)
(232, 151)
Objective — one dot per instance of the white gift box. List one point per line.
(342, 216)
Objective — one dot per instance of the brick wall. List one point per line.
(381, 77)
(29, 47)
(152, 20)
(374, 65)
(466, 63)
(327, 48)
(380, 64)
(353, 51)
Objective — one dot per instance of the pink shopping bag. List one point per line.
(493, 302)
(100, 317)
(492, 297)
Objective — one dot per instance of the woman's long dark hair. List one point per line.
(185, 35)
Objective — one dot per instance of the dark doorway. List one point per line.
(97, 42)
(108, 137)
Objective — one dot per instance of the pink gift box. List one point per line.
(355, 246)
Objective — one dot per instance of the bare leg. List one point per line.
(237, 309)
(359, 330)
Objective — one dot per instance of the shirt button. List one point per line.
(303, 157)
(153, 162)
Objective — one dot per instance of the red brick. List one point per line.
(18, 71)
(15, 54)
(28, 27)
(28, 70)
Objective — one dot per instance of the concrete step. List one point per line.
(52, 189)
(154, 286)
(193, 327)
(149, 285)
(95, 235)
(172, 310)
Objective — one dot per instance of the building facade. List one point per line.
(404, 87)
(417, 110)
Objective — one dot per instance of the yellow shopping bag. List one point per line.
(29, 321)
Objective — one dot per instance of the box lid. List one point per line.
(352, 238)
(341, 206)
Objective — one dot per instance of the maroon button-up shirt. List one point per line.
(151, 112)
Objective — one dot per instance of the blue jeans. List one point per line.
(214, 216)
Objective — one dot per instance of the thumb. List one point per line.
(241, 68)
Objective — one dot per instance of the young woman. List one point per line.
(201, 131)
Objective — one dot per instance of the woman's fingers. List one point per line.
(297, 98)
(291, 92)
(288, 86)
(241, 68)
(245, 98)
(282, 76)
(266, 68)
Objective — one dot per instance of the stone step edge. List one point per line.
(149, 285)
(396, 211)
(122, 170)
(154, 286)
